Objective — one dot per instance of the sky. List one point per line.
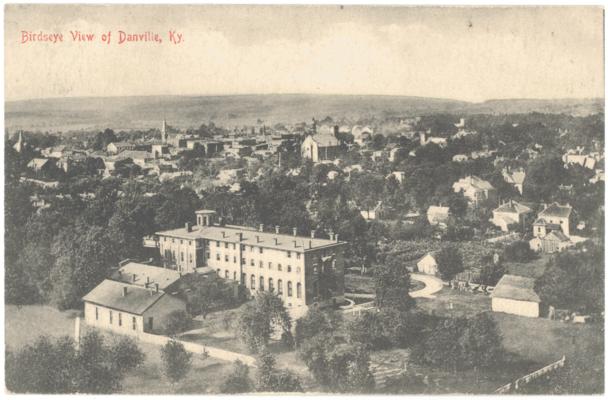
(471, 54)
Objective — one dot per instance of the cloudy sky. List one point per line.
(461, 53)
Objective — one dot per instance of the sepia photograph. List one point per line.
(303, 199)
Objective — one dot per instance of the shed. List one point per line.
(515, 295)
(427, 265)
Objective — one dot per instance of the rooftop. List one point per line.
(144, 273)
(516, 287)
(556, 210)
(326, 139)
(110, 294)
(513, 207)
(250, 236)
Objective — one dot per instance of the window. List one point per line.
(190, 242)
(280, 267)
(181, 254)
(289, 289)
(190, 257)
(234, 259)
(280, 287)
(119, 319)
(270, 285)
(233, 246)
(243, 261)
(226, 245)
(172, 240)
(261, 264)
(226, 274)
(234, 276)
(243, 247)
(261, 283)
(289, 268)
(96, 313)
(207, 255)
(269, 265)
(252, 263)
(217, 256)
(181, 241)
(289, 254)
(252, 284)
(218, 272)
(134, 320)
(298, 256)
(299, 290)
(110, 317)
(217, 244)
(243, 278)
(226, 258)
(261, 250)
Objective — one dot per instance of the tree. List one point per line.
(178, 321)
(449, 262)
(491, 273)
(206, 293)
(406, 383)
(518, 251)
(51, 367)
(269, 379)
(258, 321)
(392, 284)
(461, 343)
(341, 368)
(315, 322)
(238, 381)
(176, 360)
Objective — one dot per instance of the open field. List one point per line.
(23, 325)
(533, 269)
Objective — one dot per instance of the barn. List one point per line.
(427, 265)
(515, 295)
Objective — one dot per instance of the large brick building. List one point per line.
(301, 270)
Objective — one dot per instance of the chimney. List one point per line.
(336, 237)
(223, 234)
(261, 227)
(124, 291)
(310, 244)
(147, 279)
(257, 238)
(146, 285)
(277, 229)
(240, 236)
(295, 231)
(295, 244)
(312, 234)
(119, 274)
(134, 277)
(276, 241)
(331, 236)
(156, 288)
(188, 227)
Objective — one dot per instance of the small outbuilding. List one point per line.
(427, 265)
(515, 295)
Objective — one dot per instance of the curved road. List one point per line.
(432, 285)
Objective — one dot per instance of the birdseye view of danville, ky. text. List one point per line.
(303, 199)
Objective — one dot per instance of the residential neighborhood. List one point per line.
(289, 243)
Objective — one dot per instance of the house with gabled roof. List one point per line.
(129, 308)
(320, 147)
(554, 217)
(515, 294)
(474, 188)
(515, 178)
(510, 213)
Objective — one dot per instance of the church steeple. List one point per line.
(163, 132)
(20, 144)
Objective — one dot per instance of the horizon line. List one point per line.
(307, 94)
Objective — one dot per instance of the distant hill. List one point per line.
(123, 113)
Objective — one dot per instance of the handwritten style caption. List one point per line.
(109, 37)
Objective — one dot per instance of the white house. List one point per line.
(129, 308)
(554, 217)
(320, 147)
(474, 188)
(374, 213)
(427, 265)
(515, 295)
(437, 215)
(399, 176)
(515, 178)
(509, 213)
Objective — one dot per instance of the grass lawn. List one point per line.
(463, 303)
(23, 325)
(532, 269)
(354, 283)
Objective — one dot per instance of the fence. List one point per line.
(508, 388)
(360, 308)
(189, 346)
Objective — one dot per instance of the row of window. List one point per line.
(252, 284)
(252, 248)
(111, 318)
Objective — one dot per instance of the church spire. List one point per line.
(163, 133)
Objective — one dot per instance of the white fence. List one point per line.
(513, 386)
(194, 348)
